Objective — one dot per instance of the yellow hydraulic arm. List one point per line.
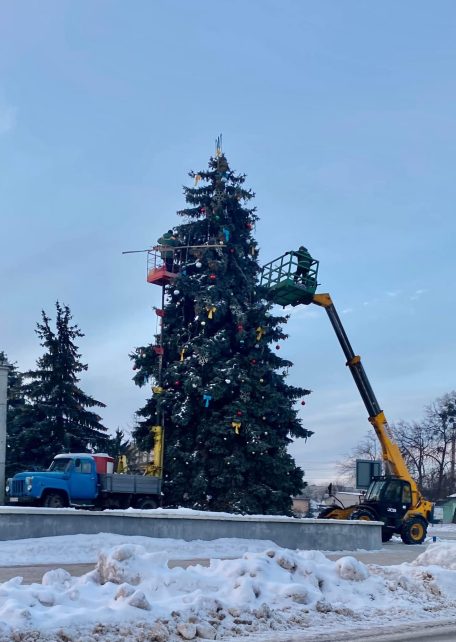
(394, 462)
(156, 466)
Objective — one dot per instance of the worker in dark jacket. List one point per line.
(304, 263)
(168, 241)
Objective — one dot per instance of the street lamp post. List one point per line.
(453, 452)
(4, 368)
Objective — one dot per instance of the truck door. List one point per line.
(83, 479)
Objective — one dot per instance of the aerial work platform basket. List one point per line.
(161, 269)
(289, 283)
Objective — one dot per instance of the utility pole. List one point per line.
(453, 453)
(4, 368)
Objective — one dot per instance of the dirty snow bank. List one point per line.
(132, 595)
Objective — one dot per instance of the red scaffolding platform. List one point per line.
(157, 273)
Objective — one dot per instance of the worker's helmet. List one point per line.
(302, 248)
(170, 232)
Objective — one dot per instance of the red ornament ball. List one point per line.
(253, 361)
(277, 347)
(232, 250)
(177, 383)
(249, 226)
(239, 413)
(240, 327)
(135, 367)
(212, 277)
(303, 403)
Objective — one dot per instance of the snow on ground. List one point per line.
(132, 595)
(439, 529)
(80, 549)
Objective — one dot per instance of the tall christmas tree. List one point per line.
(57, 415)
(219, 388)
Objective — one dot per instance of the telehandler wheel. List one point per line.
(54, 500)
(363, 514)
(414, 530)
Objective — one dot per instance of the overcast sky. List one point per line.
(342, 114)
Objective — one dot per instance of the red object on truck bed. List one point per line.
(104, 463)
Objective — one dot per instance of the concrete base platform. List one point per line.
(320, 534)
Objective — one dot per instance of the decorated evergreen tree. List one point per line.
(218, 388)
(56, 415)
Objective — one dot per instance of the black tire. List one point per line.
(363, 514)
(111, 503)
(146, 503)
(413, 530)
(387, 534)
(54, 500)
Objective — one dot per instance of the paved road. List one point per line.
(440, 631)
(35, 573)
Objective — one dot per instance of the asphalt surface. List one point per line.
(32, 574)
(440, 631)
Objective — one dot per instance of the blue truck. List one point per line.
(83, 480)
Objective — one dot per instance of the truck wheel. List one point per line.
(414, 530)
(146, 503)
(54, 500)
(363, 514)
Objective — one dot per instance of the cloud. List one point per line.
(7, 118)
(393, 293)
(416, 295)
(303, 312)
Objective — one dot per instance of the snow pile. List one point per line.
(133, 595)
(442, 554)
(80, 549)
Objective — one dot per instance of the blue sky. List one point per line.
(341, 114)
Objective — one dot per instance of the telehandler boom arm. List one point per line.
(394, 462)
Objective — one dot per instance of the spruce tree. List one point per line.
(57, 415)
(219, 388)
(118, 445)
(15, 407)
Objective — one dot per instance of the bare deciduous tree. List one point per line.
(428, 447)
(367, 448)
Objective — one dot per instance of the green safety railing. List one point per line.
(288, 285)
